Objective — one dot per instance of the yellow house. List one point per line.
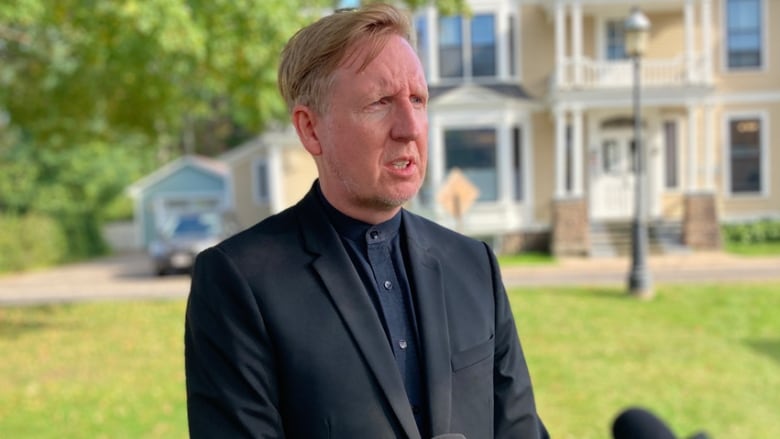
(532, 100)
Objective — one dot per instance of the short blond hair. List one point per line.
(317, 50)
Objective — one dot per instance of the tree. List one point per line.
(92, 91)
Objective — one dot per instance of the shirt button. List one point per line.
(388, 285)
(402, 344)
(374, 234)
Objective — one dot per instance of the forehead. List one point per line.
(392, 62)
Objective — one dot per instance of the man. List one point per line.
(346, 316)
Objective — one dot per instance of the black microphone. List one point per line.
(638, 423)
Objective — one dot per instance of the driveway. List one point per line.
(124, 276)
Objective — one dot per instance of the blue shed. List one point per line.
(186, 185)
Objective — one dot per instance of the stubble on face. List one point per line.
(370, 201)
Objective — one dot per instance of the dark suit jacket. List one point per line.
(282, 339)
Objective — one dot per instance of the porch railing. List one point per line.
(591, 74)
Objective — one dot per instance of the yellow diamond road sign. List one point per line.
(458, 194)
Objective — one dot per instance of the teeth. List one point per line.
(401, 164)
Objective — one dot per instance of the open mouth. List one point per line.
(401, 164)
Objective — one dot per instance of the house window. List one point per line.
(745, 155)
(473, 151)
(483, 45)
(467, 46)
(262, 183)
(671, 155)
(451, 47)
(512, 54)
(616, 40)
(743, 33)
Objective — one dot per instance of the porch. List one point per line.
(591, 74)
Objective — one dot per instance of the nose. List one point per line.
(409, 122)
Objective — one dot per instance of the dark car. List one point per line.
(183, 236)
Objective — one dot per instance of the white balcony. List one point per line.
(589, 74)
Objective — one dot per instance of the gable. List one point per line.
(473, 95)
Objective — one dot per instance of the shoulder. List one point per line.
(447, 243)
(263, 243)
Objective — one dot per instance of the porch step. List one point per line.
(609, 239)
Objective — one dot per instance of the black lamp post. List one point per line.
(637, 27)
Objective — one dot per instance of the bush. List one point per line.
(30, 241)
(757, 232)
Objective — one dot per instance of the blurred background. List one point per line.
(587, 151)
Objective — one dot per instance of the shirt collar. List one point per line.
(356, 230)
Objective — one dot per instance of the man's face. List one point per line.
(373, 135)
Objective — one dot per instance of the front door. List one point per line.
(613, 178)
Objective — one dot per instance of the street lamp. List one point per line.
(637, 27)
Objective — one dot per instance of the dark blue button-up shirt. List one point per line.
(377, 254)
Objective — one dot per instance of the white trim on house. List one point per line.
(276, 178)
(763, 117)
(757, 97)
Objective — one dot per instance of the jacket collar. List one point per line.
(426, 278)
(343, 284)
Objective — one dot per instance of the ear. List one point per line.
(304, 119)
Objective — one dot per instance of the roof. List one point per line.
(274, 137)
(206, 164)
(504, 89)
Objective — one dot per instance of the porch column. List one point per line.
(706, 36)
(560, 152)
(570, 227)
(692, 181)
(560, 44)
(690, 51)
(433, 44)
(701, 227)
(576, 41)
(709, 150)
(577, 152)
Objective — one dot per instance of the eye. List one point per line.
(418, 101)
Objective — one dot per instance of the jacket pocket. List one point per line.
(472, 355)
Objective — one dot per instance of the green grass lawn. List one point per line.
(102, 370)
(526, 258)
(753, 249)
(699, 356)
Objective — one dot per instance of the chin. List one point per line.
(398, 199)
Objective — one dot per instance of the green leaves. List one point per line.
(91, 91)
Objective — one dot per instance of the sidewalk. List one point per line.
(130, 277)
(680, 268)
(126, 276)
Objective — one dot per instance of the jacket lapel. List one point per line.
(430, 306)
(350, 297)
